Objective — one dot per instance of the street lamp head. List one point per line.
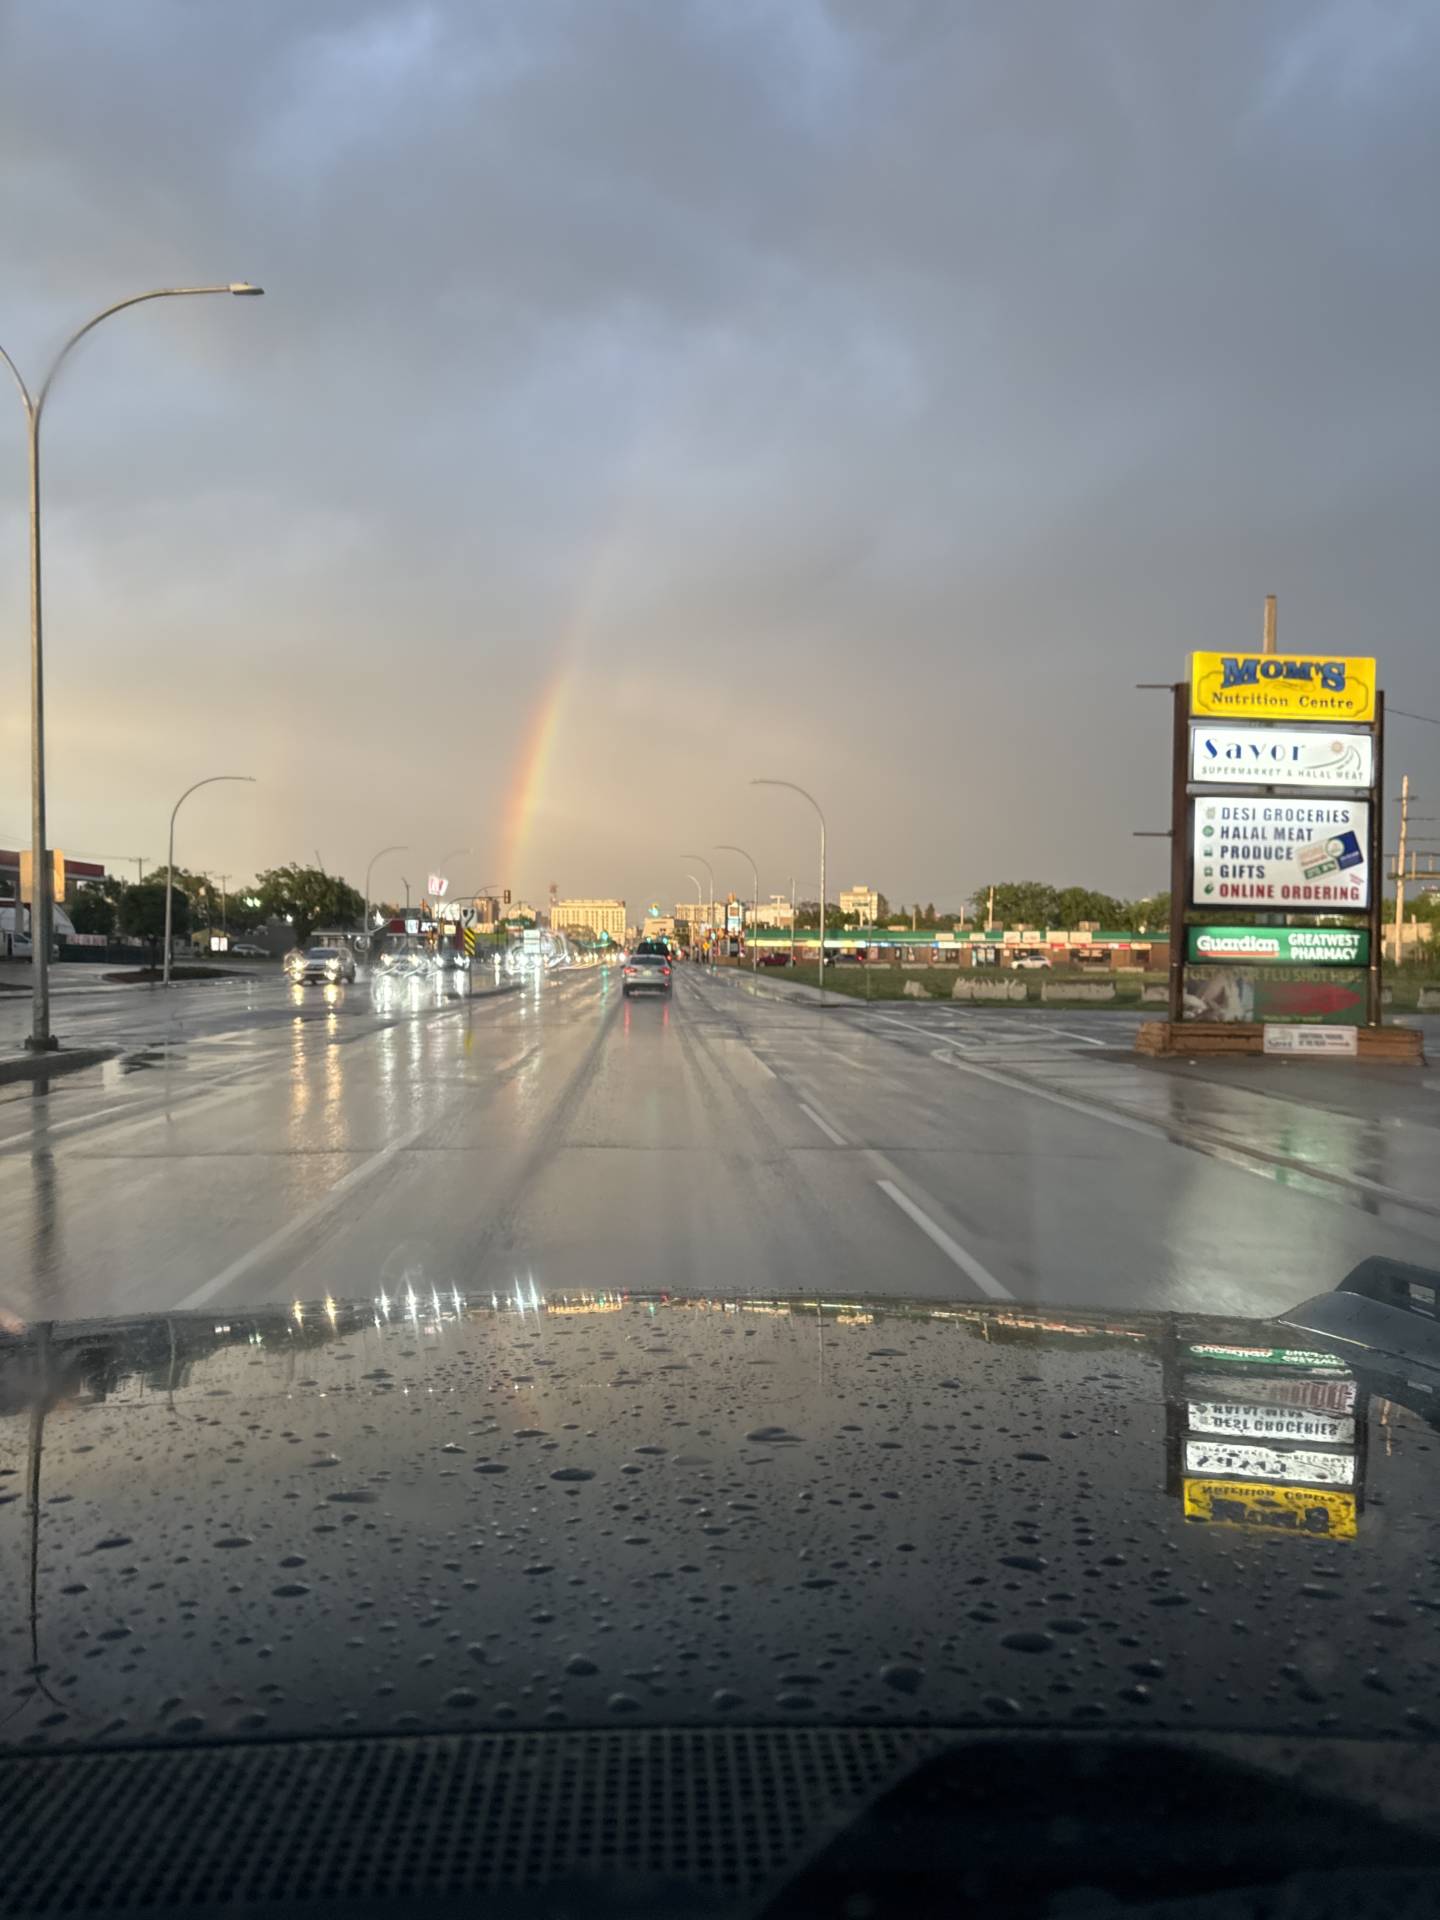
(244, 286)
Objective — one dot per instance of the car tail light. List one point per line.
(629, 969)
(666, 972)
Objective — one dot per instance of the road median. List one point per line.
(59, 1060)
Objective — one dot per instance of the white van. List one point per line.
(17, 946)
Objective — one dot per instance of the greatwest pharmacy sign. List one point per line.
(1296, 946)
(1260, 756)
(1282, 686)
(1309, 855)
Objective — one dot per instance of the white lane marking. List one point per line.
(1070, 1034)
(947, 1244)
(346, 1184)
(769, 1072)
(1143, 1127)
(824, 1126)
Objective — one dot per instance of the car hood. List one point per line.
(440, 1512)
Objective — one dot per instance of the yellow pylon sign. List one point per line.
(470, 940)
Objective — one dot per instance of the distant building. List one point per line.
(596, 916)
(774, 912)
(863, 902)
(658, 926)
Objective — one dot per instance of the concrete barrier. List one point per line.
(914, 991)
(1079, 990)
(1430, 999)
(988, 990)
(1155, 996)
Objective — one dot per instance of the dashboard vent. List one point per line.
(220, 1826)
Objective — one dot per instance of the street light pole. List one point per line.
(211, 781)
(816, 804)
(754, 904)
(368, 871)
(699, 896)
(711, 871)
(41, 1039)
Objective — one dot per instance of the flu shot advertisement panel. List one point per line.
(1308, 855)
(1297, 996)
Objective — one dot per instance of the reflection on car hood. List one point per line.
(438, 1512)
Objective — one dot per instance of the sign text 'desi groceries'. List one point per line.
(1308, 855)
(1271, 756)
(1282, 686)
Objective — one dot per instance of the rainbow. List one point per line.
(527, 779)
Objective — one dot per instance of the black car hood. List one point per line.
(446, 1513)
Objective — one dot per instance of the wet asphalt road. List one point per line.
(260, 1143)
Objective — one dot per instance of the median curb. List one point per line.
(44, 1066)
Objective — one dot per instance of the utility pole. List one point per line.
(990, 911)
(1400, 868)
(1268, 643)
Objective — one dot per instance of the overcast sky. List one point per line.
(647, 397)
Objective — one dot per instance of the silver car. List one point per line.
(323, 965)
(646, 973)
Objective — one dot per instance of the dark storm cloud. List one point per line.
(862, 393)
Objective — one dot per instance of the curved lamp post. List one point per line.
(754, 902)
(210, 781)
(816, 804)
(711, 871)
(368, 871)
(41, 1039)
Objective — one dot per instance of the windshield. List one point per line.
(889, 1269)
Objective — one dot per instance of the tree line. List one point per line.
(307, 897)
(1016, 903)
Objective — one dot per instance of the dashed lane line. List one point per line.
(946, 1242)
(825, 1127)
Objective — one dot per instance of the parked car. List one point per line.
(247, 950)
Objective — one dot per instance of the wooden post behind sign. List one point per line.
(1375, 998)
(1179, 846)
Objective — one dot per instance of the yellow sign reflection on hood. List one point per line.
(1318, 1513)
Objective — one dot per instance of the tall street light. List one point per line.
(446, 858)
(711, 871)
(210, 781)
(368, 871)
(816, 804)
(699, 899)
(41, 1039)
(754, 902)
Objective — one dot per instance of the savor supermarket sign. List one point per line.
(1280, 757)
(1308, 855)
(1293, 946)
(1282, 686)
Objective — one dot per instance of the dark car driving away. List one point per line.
(646, 973)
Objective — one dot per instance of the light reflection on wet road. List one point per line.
(266, 1144)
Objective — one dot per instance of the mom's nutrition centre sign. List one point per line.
(1304, 855)
(1282, 686)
